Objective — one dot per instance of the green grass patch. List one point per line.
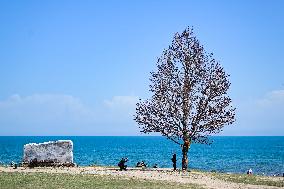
(70, 181)
(250, 179)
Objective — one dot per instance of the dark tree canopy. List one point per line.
(190, 100)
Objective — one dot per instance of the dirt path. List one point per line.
(199, 178)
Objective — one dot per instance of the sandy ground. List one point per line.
(199, 178)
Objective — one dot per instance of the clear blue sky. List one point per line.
(78, 67)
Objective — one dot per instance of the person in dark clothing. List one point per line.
(143, 164)
(122, 165)
(138, 164)
(174, 160)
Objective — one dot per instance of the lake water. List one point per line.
(265, 155)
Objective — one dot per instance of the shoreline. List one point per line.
(108, 167)
(149, 169)
(203, 179)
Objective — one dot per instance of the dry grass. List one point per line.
(250, 179)
(72, 181)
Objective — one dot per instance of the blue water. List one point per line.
(265, 155)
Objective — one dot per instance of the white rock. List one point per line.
(60, 151)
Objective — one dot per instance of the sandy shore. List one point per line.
(201, 178)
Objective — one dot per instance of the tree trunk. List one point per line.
(184, 160)
(185, 149)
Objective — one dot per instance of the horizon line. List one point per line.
(132, 136)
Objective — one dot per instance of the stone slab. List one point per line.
(60, 151)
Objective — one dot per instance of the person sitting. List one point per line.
(138, 164)
(143, 164)
(249, 172)
(12, 164)
(122, 165)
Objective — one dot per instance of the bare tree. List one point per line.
(190, 100)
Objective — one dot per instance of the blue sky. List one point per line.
(78, 67)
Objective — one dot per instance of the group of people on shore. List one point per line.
(122, 163)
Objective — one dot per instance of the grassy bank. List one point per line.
(250, 179)
(46, 180)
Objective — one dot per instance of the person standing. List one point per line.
(174, 160)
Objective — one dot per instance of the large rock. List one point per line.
(60, 152)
